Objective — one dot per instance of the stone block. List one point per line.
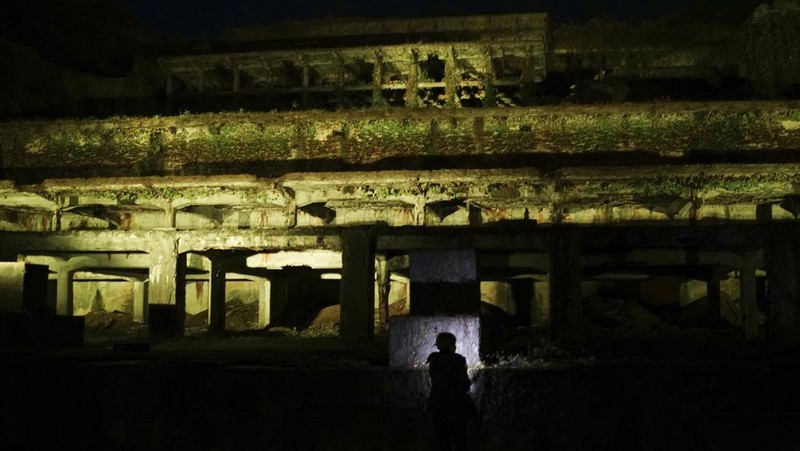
(455, 266)
(413, 338)
(23, 286)
(444, 282)
(444, 298)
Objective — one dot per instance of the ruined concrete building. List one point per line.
(444, 163)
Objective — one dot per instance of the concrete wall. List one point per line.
(412, 338)
(106, 296)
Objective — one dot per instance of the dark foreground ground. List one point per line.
(296, 393)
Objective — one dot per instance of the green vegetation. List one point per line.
(668, 186)
(165, 145)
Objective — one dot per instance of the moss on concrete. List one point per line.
(166, 145)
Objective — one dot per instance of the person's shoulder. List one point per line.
(432, 356)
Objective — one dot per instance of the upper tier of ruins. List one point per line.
(500, 135)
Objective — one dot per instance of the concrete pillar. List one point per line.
(166, 286)
(451, 79)
(488, 86)
(357, 295)
(64, 296)
(237, 86)
(444, 282)
(278, 293)
(306, 82)
(180, 290)
(216, 298)
(528, 80)
(714, 295)
(377, 81)
(383, 284)
(163, 274)
(540, 313)
(169, 216)
(412, 83)
(783, 279)
(170, 91)
(339, 80)
(140, 301)
(237, 80)
(264, 303)
(523, 295)
(565, 285)
(748, 296)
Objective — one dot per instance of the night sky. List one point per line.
(207, 18)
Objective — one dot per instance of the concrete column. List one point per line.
(306, 82)
(522, 290)
(170, 91)
(451, 79)
(163, 275)
(377, 81)
(278, 293)
(264, 303)
(237, 80)
(488, 86)
(714, 295)
(64, 297)
(140, 301)
(444, 282)
(180, 290)
(528, 80)
(783, 278)
(339, 81)
(748, 296)
(383, 284)
(540, 313)
(565, 285)
(357, 292)
(237, 86)
(216, 298)
(412, 84)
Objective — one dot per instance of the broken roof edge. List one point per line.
(368, 26)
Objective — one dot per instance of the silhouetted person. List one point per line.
(449, 402)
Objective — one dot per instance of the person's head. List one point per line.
(446, 341)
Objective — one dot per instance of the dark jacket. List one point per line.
(449, 383)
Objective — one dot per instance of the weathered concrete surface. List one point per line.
(412, 338)
(226, 143)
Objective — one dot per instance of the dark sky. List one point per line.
(206, 18)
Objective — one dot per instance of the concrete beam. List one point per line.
(463, 237)
(107, 260)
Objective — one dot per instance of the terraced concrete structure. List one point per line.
(456, 140)
(546, 197)
(442, 61)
